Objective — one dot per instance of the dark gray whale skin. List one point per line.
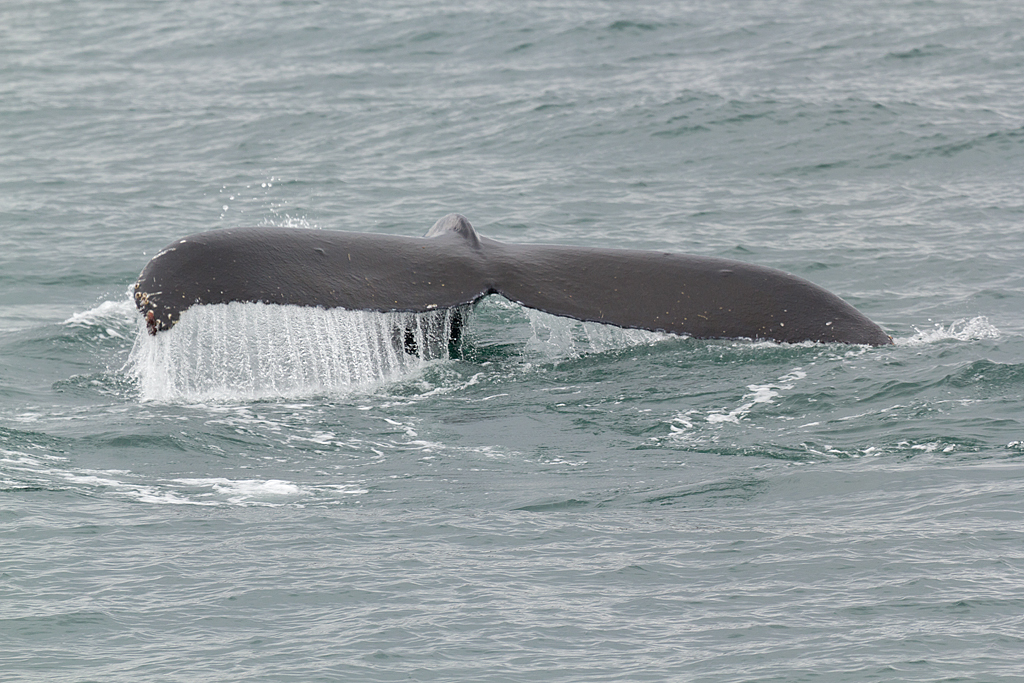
(697, 296)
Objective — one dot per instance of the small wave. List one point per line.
(960, 330)
(685, 426)
(555, 506)
(623, 25)
(247, 492)
(21, 471)
(111, 324)
(987, 375)
(930, 50)
(107, 313)
(759, 393)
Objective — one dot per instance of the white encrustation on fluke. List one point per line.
(697, 296)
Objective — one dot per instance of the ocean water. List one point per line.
(552, 501)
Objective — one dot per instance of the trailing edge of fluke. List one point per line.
(698, 296)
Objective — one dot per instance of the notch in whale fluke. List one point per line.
(701, 297)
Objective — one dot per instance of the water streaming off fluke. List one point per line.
(247, 351)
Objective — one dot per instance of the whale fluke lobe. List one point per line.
(702, 297)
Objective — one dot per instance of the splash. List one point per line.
(960, 330)
(251, 351)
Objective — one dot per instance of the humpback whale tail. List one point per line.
(453, 266)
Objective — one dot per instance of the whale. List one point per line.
(452, 266)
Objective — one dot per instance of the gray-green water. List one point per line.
(561, 502)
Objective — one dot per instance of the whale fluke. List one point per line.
(698, 296)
